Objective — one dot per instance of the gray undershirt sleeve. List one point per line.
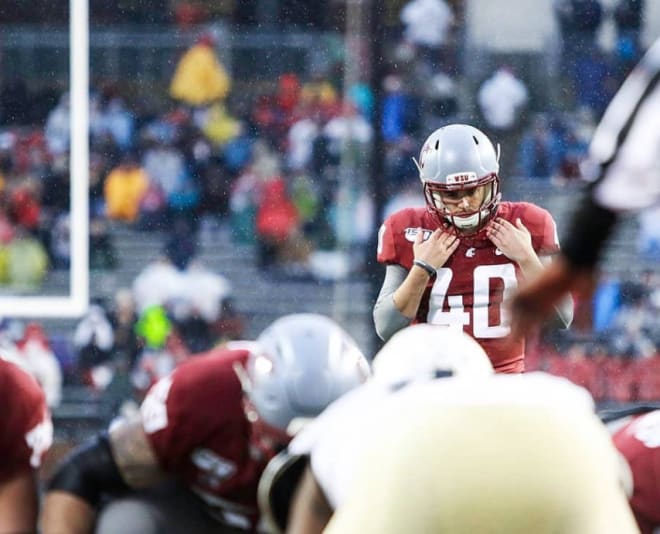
(387, 318)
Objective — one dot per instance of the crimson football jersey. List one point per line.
(195, 421)
(470, 290)
(26, 429)
(639, 442)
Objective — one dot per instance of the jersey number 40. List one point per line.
(482, 308)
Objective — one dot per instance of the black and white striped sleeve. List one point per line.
(624, 162)
(625, 148)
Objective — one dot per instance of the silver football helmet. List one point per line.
(424, 352)
(459, 157)
(298, 366)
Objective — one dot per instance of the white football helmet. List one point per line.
(298, 366)
(424, 352)
(459, 157)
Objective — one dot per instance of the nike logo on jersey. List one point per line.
(498, 252)
(411, 233)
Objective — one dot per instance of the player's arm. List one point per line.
(402, 290)
(18, 503)
(388, 318)
(109, 463)
(310, 511)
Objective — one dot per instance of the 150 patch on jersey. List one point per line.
(411, 234)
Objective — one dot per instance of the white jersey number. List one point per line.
(647, 429)
(154, 406)
(458, 316)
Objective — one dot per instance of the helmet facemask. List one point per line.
(464, 221)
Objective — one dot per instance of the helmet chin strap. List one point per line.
(470, 222)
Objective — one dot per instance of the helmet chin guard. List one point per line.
(460, 157)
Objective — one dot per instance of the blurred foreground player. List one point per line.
(637, 437)
(333, 441)
(625, 177)
(504, 454)
(192, 460)
(26, 433)
(458, 261)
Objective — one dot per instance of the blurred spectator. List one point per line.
(246, 191)
(361, 95)
(606, 303)
(15, 101)
(218, 125)
(181, 244)
(277, 224)
(35, 349)
(575, 134)
(155, 362)
(398, 173)
(236, 153)
(153, 326)
(408, 196)
(648, 244)
(200, 78)
(27, 261)
(153, 208)
(58, 127)
(206, 290)
(156, 285)
(123, 317)
(401, 110)
(540, 151)
(93, 341)
(24, 205)
(300, 141)
(216, 183)
(273, 114)
(628, 16)
(629, 336)
(230, 325)
(501, 99)
(578, 22)
(594, 81)
(440, 101)
(60, 242)
(348, 129)
(102, 253)
(118, 122)
(427, 24)
(124, 189)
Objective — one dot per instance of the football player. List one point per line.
(509, 453)
(637, 438)
(26, 434)
(459, 260)
(192, 459)
(624, 177)
(319, 463)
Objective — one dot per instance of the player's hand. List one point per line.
(515, 242)
(437, 249)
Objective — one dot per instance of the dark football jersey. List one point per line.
(26, 429)
(639, 442)
(195, 421)
(471, 289)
